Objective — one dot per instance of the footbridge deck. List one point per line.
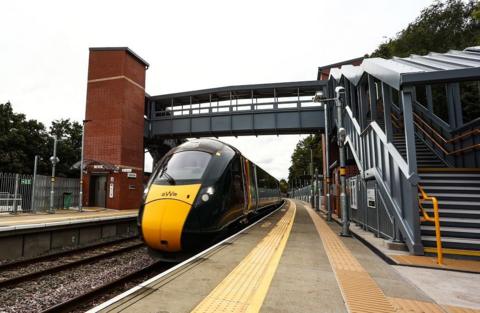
(268, 109)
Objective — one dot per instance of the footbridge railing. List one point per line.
(280, 108)
(379, 159)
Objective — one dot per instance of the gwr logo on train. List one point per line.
(169, 194)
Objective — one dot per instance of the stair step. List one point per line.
(456, 212)
(450, 174)
(446, 231)
(457, 205)
(453, 243)
(454, 195)
(456, 240)
(425, 182)
(453, 229)
(460, 188)
(457, 222)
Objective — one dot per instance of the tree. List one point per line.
(69, 147)
(283, 186)
(300, 167)
(22, 139)
(452, 24)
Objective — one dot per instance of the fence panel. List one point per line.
(16, 192)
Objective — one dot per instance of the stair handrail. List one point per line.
(435, 220)
(445, 141)
(361, 141)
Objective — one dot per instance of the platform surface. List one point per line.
(59, 216)
(293, 261)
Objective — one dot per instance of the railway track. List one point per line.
(9, 278)
(45, 285)
(7, 265)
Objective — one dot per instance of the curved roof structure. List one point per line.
(415, 69)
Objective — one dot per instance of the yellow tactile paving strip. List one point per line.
(360, 292)
(454, 264)
(245, 288)
(414, 306)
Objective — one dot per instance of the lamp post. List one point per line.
(80, 195)
(312, 188)
(341, 136)
(35, 166)
(320, 98)
(54, 159)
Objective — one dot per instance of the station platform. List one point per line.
(294, 261)
(60, 217)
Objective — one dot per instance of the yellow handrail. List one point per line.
(435, 219)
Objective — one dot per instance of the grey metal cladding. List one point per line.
(416, 69)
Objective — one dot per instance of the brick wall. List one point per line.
(115, 127)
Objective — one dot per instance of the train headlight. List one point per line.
(210, 190)
(205, 197)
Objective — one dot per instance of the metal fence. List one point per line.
(305, 194)
(16, 192)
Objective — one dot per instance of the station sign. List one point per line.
(371, 198)
(126, 170)
(132, 175)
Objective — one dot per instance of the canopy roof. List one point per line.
(413, 70)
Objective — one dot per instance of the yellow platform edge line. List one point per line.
(254, 302)
(453, 251)
(264, 285)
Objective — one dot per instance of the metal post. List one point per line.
(341, 144)
(80, 195)
(317, 193)
(327, 161)
(35, 166)
(54, 161)
(15, 194)
(312, 190)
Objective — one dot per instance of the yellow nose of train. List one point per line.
(165, 213)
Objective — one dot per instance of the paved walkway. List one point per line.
(295, 262)
(62, 216)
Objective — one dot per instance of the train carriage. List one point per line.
(197, 191)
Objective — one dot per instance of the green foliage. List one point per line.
(445, 25)
(69, 147)
(301, 157)
(283, 186)
(22, 139)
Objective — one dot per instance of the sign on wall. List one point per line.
(371, 197)
(110, 191)
(132, 175)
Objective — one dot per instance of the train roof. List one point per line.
(205, 144)
(211, 146)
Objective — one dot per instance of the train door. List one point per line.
(238, 198)
(255, 182)
(246, 189)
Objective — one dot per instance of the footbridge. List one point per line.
(262, 109)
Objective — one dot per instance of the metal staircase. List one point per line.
(425, 157)
(411, 128)
(458, 194)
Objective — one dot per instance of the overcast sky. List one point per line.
(189, 45)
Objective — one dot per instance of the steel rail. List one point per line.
(41, 258)
(61, 267)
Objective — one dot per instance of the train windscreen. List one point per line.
(182, 168)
